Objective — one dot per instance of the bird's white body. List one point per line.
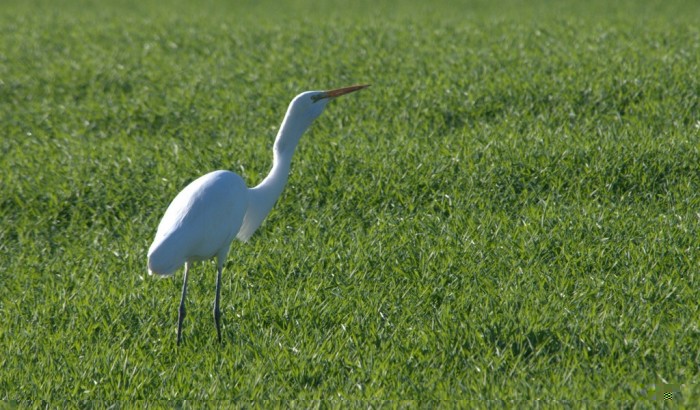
(213, 210)
(192, 229)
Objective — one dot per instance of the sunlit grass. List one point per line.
(511, 211)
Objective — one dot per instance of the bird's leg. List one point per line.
(217, 312)
(181, 312)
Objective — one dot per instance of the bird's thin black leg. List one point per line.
(181, 312)
(217, 312)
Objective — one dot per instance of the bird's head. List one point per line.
(303, 110)
(310, 104)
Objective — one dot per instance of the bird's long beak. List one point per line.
(342, 91)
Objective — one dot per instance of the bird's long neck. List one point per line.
(285, 143)
(265, 194)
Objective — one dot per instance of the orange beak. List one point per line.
(341, 91)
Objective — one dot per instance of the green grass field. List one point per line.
(511, 211)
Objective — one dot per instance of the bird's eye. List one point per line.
(316, 98)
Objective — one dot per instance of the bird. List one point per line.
(205, 217)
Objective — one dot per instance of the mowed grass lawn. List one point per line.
(511, 211)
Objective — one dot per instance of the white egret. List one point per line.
(206, 216)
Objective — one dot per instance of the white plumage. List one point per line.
(206, 216)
